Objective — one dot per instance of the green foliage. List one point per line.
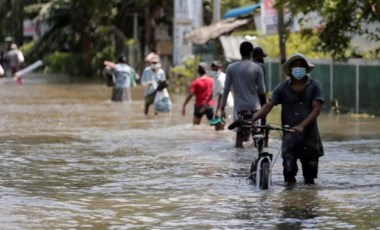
(27, 48)
(185, 73)
(63, 62)
(342, 20)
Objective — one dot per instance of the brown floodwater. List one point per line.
(72, 159)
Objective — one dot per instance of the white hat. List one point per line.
(155, 58)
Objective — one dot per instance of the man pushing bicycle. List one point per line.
(301, 99)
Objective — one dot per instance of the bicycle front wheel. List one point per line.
(264, 175)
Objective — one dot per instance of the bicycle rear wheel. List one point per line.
(264, 175)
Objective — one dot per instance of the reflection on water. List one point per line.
(70, 158)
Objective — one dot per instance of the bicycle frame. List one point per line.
(264, 158)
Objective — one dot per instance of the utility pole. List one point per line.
(282, 40)
(216, 11)
(216, 18)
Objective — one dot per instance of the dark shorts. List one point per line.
(209, 112)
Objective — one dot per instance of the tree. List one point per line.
(83, 32)
(341, 20)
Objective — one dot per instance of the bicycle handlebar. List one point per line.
(250, 124)
(269, 127)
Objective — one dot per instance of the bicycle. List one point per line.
(261, 168)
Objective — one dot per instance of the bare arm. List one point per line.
(188, 98)
(315, 111)
(263, 111)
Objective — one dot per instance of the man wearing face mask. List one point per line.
(151, 77)
(301, 99)
(217, 93)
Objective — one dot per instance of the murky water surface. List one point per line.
(70, 158)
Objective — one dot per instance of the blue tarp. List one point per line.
(237, 12)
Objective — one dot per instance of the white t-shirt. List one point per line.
(149, 76)
(218, 89)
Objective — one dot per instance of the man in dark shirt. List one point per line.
(258, 56)
(246, 80)
(301, 99)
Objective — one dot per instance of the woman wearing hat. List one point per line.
(151, 77)
(301, 99)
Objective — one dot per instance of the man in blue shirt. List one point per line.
(123, 78)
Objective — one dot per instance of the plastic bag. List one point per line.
(20, 57)
(162, 102)
(1, 71)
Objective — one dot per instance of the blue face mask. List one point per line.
(298, 72)
(213, 74)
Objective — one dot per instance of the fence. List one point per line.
(355, 84)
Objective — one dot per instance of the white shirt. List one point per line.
(218, 89)
(149, 76)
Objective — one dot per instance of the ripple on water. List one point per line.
(81, 167)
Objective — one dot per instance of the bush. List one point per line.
(184, 74)
(63, 62)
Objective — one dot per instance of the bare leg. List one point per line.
(196, 120)
(218, 127)
(146, 109)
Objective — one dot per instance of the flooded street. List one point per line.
(72, 159)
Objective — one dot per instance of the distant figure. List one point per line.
(258, 56)
(123, 78)
(15, 59)
(151, 77)
(219, 78)
(201, 87)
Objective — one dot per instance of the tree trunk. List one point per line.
(16, 22)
